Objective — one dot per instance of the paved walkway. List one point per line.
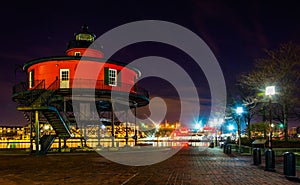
(192, 165)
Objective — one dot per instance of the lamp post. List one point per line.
(135, 131)
(239, 111)
(270, 90)
(126, 129)
(216, 132)
(269, 153)
(216, 123)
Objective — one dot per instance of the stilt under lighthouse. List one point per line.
(46, 96)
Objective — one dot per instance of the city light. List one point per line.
(230, 127)
(46, 127)
(280, 125)
(239, 110)
(197, 126)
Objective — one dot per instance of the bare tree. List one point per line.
(241, 96)
(250, 104)
(280, 68)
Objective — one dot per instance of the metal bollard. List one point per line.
(289, 164)
(256, 156)
(270, 160)
(229, 149)
(224, 148)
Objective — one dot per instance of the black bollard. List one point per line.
(254, 156)
(229, 149)
(211, 144)
(224, 148)
(289, 164)
(258, 156)
(270, 160)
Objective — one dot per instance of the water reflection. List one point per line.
(95, 143)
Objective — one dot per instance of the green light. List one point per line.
(280, 125)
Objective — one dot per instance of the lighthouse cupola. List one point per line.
(81, 43)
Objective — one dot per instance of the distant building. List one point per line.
(13, 132)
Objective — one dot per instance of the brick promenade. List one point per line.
(193, 165)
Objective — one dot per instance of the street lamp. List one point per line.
(239, 111)
(216, 124)
(270, 90)
(269, 153)
(135, 131)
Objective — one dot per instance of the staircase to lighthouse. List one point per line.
(43, 102)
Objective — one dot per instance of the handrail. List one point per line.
(65, 122)
(54, 85)
(20, 87)
(40, 85)
(24, 86)
(84, 84)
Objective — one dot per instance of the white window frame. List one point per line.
(112, 77)
(64, 75)
(31, 78)
(64, 78)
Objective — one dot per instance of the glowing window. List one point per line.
(85, 36)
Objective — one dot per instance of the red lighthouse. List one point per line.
(46, 96)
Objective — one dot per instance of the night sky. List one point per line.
(236, 32)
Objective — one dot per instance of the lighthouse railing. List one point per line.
(24, 86)
(40, 84)
(20, 87)
(54, 85)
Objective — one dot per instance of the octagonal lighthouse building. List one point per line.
(47, 96)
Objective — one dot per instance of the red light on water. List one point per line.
(184, 145)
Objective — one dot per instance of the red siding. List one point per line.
(86, 52)
(50, 71)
